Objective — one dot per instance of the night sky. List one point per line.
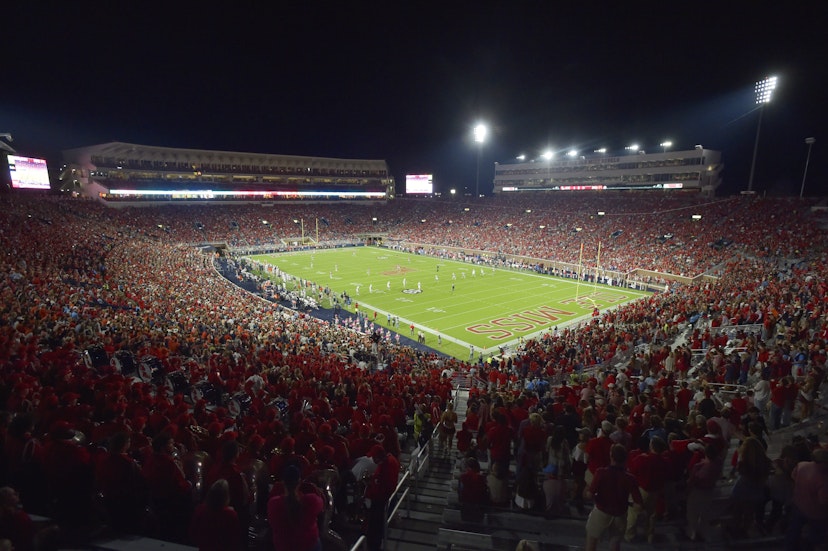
(406, 81)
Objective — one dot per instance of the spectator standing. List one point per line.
(650, 472)
(598, 451)
(379, 491)
(471, 488)
(810, 503)
(611, 488)
(215, 525)
(170, 493)
(293, 515)
(119, 479)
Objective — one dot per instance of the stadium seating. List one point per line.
(113, 322)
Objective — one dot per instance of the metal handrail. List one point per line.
(390, 516)
(359, 543)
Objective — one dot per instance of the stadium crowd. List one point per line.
(135, 379)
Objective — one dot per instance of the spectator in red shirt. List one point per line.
(293, 515)
(499, 439)
(650, 471)
(472, 488)
(598, 451)
(683, 397)
(240, 496)
(611, 488)
(215, 525)
(119, 479)
(379, 491)
(169, 489)
(779, 397)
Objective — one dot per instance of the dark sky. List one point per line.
(406, 81)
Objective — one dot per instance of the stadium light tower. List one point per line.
(763, 93)
(665, 146)
(548, 154)
(480, 132)
(810, 143)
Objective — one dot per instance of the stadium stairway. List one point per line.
(417, 524)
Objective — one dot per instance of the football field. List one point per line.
(467, 305)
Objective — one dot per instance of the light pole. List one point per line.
(763, 91)
(548, 154)
(810, 142)
(665, 145)
(479, 136)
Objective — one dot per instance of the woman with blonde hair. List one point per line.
(448, 422)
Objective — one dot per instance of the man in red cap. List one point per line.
(379, 491)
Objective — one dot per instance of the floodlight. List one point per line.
(480, 133)
(633, 147)
(764, 90)
(548, 154)
(521, 157)
(601, 150)
(696, 217)
(572, 153)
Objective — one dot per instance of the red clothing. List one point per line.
(611, 489)
(500, 442)
(810, 493)
(598, 453)
(534, 438)
(216, 530)
(650, 471)
(19, 528)
(472, 488)
(299, 532)
(165, 478)
(384, 480)
(240, 496)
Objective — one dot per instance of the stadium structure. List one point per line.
(122, 171)
(125, 344)
(696, 170)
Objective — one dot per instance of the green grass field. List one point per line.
(465, 304)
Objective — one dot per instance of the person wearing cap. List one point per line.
(293, 515)
(808, 522)
(379, 491)
(611, 488)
